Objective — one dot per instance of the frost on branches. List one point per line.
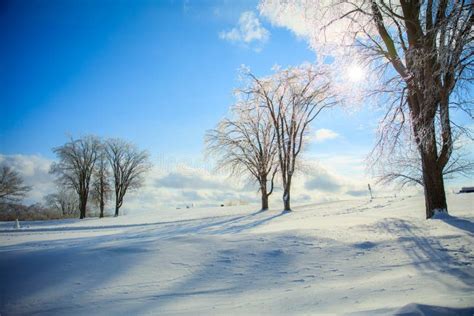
(420, 52)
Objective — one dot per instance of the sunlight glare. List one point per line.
(355, 73)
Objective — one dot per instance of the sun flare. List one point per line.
(355, 73)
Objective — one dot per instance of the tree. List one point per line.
(101, 186)
(75, 167)
(424, 53)
(64, 201)
(403, 165)
(246, 145)
(292, 98)
(128, 166)
(11, 185)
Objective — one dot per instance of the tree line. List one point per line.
(86, 168)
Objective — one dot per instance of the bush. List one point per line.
(13, 211)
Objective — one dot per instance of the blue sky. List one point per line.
(157, 73)
(154, 72)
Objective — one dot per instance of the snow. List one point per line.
(440, 214)
(345, 257)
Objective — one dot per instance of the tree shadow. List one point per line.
(428, 254)
(65, 277)
(432, 310)
(415, 309)
(38, 229)
(462, 224)
(234, 229)
(33, 281)
(249, 266)
(29, 269)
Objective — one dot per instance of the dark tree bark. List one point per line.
(102, 206)
(264, 201)
(265, 194)
(82, 205)
(286, 199)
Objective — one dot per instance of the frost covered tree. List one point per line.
(128, 165)
(11, 185)
(75, 166)
(245, 144)
(423, 54)
(292, 98)
(403, 165)
(101, 188)
(64, 201)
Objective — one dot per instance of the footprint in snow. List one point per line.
(275, 253)
(298, 281)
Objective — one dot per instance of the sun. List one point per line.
(355, 73)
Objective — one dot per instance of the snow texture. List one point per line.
(345, 257)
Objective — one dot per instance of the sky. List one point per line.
(156, 73)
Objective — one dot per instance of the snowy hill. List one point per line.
(379, 257)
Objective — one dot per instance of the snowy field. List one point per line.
(346, 257)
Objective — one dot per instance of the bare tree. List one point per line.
(101, 188)
(424, 52)
(64, 201)
(11, 185)
(403, 165)
(74, 169)
(292, 98)
(128, 166)
(245, 144)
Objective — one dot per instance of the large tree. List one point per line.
(75, 166)
(292, 98)
(128, 165)
(11, 185)
(424, 50)
(245, 144)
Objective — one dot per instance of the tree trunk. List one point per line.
(263, 192)
(433, 184)
(82, 207)
(101, 208)
(117, 203)
(286, 199)
(264, 201)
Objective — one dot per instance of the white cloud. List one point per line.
(179, 185)
(323, 134)
(247, 32)
(183, 185)
(292, 17)
(35, 172)
(318, 22)
(190, 180)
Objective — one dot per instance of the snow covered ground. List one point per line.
(346, 257)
